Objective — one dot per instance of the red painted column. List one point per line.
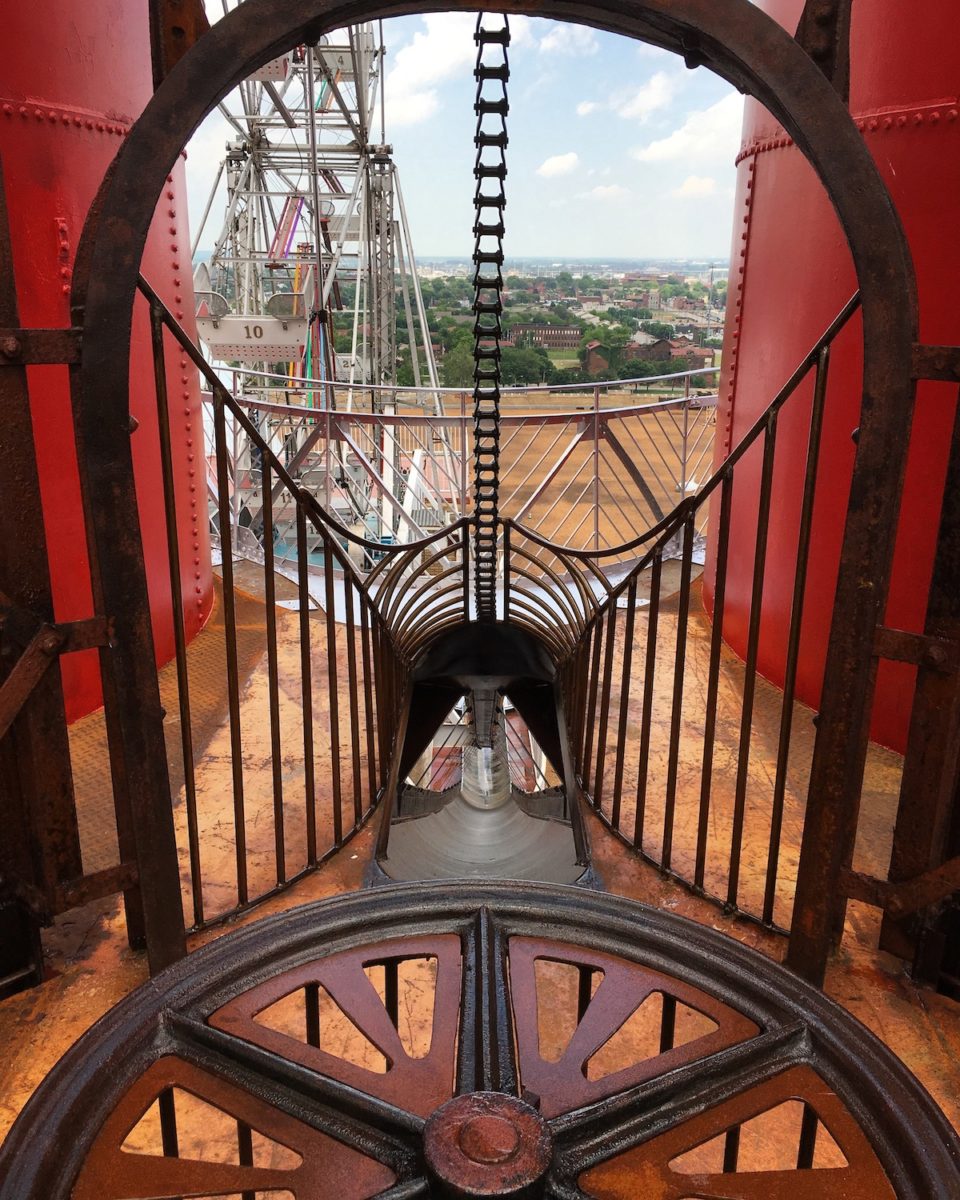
(790, 275)
(74, 78)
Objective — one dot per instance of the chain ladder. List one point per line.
(491, 106)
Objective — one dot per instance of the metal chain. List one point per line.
(491, 106)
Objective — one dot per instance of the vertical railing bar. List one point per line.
(167, 1109)
(807, 1147)
(750, 667)
(592, 705)
(605, 704)
(391, 989)
(796, 621)
(270, 603)
(625, 681)
(332, 686)
(731, 1150)
(646, 718)
(713, 676)
(311, 1012)
(370, 721)
(354, 700)
(230, 639)
(668, 1023)
(245, 1153)
(179, 633)
(679, 671)
(306, 690)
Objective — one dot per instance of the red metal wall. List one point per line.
(790, 274)
(74, 75)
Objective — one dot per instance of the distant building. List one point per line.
(551, 337)
(647, 347)
(597, 358)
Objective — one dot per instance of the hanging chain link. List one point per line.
(491, 106)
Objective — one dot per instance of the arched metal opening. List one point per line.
(743, 46)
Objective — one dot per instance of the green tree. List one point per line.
(456, 366)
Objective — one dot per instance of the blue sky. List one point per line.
(616, 149)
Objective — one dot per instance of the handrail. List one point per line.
(676, 518)
(513, 389)
(455, 420)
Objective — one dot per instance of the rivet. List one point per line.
(51, 115)
(199, 590)
(176, 266)
(171, 213)
(193, 487)
(65, 288)
(171, 195)
(186, 412)
(64, 272)
(918, 118)
(901, 120)
(176, 282)
(88, 123)
(196, 563)
(192, 471)
(179, 316)
(935, 118)
(888, 122)
(23, 111)
(174, 247)
(99, 127)
(173, 229)
(196, 545)
(8, 109)
(65, 118)
(169, 179)
(952, 114)
(861, 125)
(77, 122)
(38, 114)
(873, 124)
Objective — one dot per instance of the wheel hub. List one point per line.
(488, 1144)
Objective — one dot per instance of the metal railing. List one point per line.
(280, 787)
(645, 728)
(575, 473)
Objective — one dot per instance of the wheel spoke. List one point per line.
(416, 1084)
(625, 986)
(486, 1061)
(597, 1132)
(320, 1161)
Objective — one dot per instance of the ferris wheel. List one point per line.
(312, 273)
(314, 245)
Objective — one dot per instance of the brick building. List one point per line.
(551, 337)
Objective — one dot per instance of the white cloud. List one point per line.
(443, 49)
(642, 102)
(695, 187)
(569, 39)
(712, 134)
(586, 107)
(559, 164)
(609, 191)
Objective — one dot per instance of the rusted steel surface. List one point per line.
(41, 849)
(824, 32)
(175, 25)
(31, 347)
(924, 835)
(226, 1073)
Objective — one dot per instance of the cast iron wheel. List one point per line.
(479, 1040)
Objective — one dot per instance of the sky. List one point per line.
(616, 148)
